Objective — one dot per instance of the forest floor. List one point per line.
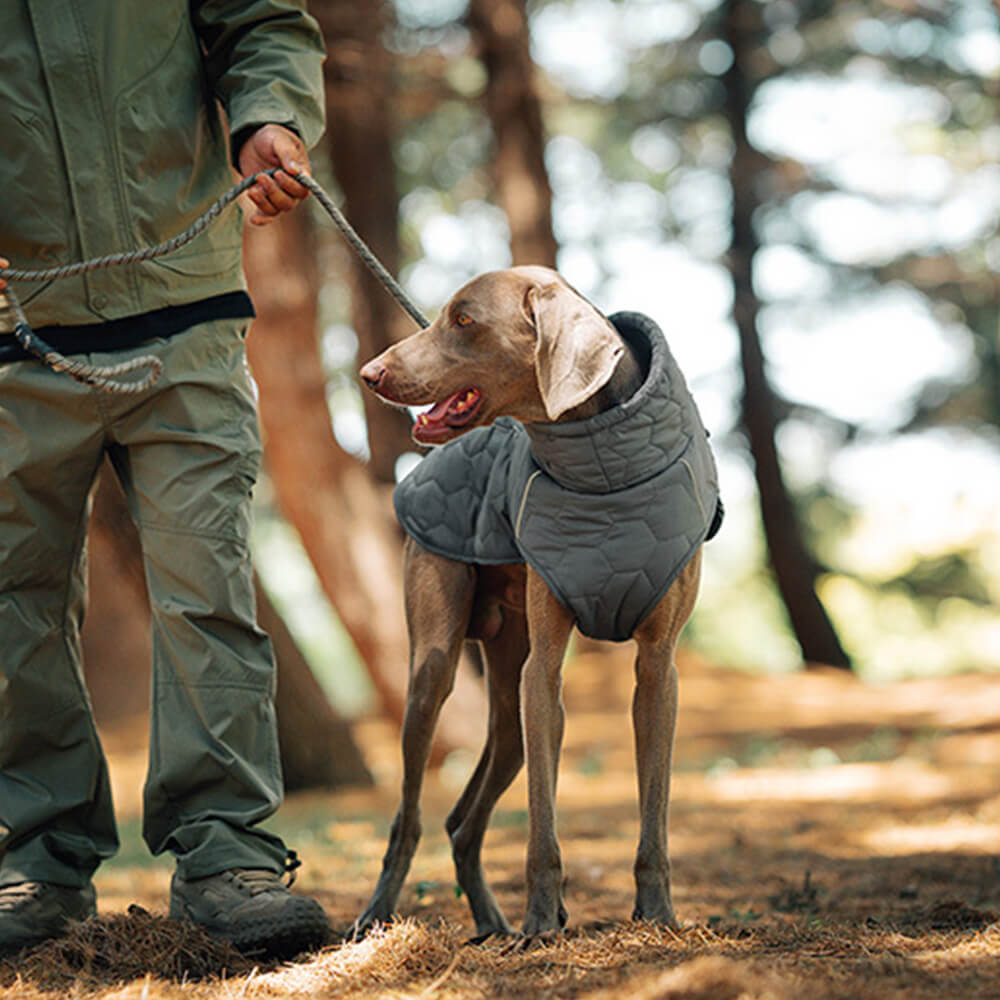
(829, 840)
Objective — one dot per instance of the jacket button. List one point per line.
(99, 301)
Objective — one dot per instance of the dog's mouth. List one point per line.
(443, 419)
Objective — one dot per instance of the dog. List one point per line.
(529, 384)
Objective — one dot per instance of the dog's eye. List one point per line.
(463, 319)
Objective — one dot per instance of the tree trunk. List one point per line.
(344, 519)
(317, 749)
(359, 129)
(500, 29)
(796, 571)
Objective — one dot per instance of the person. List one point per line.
(114, 139)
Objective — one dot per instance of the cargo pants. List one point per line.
(187, 453)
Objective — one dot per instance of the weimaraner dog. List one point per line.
(519, 343)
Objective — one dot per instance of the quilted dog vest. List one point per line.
(608, 510)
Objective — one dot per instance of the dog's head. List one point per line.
(519, 343)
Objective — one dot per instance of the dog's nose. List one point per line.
(372, 374)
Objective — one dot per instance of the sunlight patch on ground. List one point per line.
(984, 947)
(408, 948)
(957, 833)
(902, 781)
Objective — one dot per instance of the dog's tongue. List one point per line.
(437, 412)
(443, 420)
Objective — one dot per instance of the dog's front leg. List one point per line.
(549, 625)
(654, 717)
(439, 595)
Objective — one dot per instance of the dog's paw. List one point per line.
(495, 928)
(543, 920)
(365, 924)
(525, 942)
(488, 937)
(662, 916)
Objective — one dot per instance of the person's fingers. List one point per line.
(292, 155)
(265, 213)
(289, 184)
(3, 263)
(260, 202)
(290, 151)
(272, 194)
(270, 198)
(279, 190)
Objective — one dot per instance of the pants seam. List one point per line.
(79, 538)
(216, 686)
(227, 536)
(54, 713)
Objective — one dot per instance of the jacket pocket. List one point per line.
(220, 260)
(35, 220)
(173, 149)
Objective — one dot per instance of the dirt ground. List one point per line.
(829, 840)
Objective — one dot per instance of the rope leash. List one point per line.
(106, 377)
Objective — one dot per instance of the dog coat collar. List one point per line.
(608, 510)
(626, 444)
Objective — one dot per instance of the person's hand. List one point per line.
(274, 146)
(3, 263)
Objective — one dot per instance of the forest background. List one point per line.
(804, 195)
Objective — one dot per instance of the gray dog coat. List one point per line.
(607, 510)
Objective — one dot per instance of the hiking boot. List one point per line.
(31, 912)
(252, 909)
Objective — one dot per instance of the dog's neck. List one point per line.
(623, 431)
(623, 385)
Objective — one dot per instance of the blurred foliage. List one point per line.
(875, 125)
(951, 575)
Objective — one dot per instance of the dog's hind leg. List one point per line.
(499, 764)
(439, 594)
(654, 716)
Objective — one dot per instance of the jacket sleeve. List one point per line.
(264, 62)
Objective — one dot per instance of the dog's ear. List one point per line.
(577, 349)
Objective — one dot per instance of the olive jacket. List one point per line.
(115, 126)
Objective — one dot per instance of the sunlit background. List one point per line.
(877, 275)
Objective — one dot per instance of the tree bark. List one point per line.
(795, 570)
(317, 748)
(344, 518)
(358, 75)
(500, 29)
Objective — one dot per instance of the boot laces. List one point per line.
(260, 880)
(13, 896)
(292, 864)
